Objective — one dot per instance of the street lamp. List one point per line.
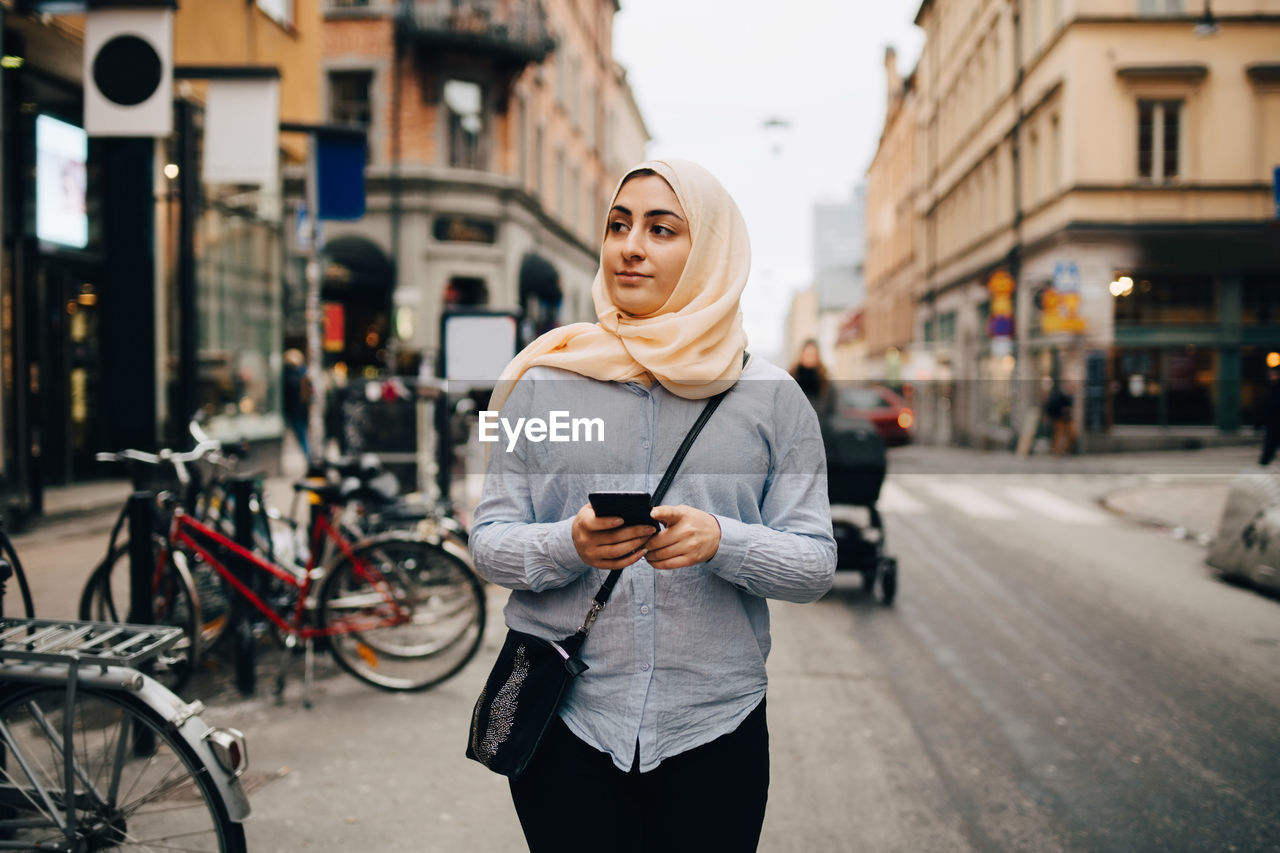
(1207, 25)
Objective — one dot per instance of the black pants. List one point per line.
(710, 799)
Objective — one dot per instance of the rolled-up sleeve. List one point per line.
(509, 548)
(791, 554)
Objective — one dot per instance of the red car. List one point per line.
(886, 410)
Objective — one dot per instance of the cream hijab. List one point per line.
(693, 344)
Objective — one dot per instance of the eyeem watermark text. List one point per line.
(560, 427)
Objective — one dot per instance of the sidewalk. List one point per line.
(1188, 509)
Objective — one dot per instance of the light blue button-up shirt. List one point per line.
(677, 658)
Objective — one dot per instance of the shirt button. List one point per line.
(644, 667)
(644, 445)
(645, 610)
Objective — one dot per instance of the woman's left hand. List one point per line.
(688, 536)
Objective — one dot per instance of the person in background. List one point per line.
(662, 744)
(297, 397)
(1271, 418)
(1057, 409)
(811, 375)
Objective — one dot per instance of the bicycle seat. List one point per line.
(325, 491)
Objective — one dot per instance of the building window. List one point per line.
(464, 104)
(947, 327)
(1169, 300)
(466, 291)
(1161, 8)
(349, 93)
(1159, 138)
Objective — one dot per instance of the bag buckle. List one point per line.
(596, 607)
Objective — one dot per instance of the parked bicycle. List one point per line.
(395, 610)
(176, 598)
(95, 755)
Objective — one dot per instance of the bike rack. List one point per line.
(69, 641)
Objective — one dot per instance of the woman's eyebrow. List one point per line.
(652, 214)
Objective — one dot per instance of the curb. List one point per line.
(1180, 530)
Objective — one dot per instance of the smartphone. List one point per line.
(631, 507)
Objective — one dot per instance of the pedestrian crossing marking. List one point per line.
(894, 498)
(971, 501)
(1050, 505)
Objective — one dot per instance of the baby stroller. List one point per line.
(856, 465)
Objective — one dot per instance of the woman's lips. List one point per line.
(630, 277)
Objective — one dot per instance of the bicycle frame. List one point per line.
(185, 529)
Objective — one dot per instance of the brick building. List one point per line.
(497, 129)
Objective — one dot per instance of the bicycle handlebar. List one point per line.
(165, 457)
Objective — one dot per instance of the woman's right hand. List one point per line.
(604, 543)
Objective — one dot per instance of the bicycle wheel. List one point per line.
(8, 553)
(404, 614)
(175, 601)
(136, 785)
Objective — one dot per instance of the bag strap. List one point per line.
(606, 588)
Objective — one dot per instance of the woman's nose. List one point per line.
(633, 245)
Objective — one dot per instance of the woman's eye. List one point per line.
(663, 231)
(617, 227)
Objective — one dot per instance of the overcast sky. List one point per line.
(708, 74)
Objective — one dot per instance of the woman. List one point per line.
(667, 727)
(811, 375)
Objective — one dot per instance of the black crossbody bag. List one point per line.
(528, 681)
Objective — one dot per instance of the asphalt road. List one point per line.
(1052, 677)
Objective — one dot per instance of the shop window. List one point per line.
(1138, 387)
(464, 104)
(1253, 385)
(1260, 301)
(1165, 386)
(1159, 140)
(1190, 398)
(1169, 300)
(464, 291)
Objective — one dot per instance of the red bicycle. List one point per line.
(396, 610)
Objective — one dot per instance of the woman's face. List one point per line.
(809, 356)
(646, 244)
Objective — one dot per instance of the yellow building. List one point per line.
(136, 293)
(1071, 145)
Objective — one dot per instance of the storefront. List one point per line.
(51, 275)
(1190, 350)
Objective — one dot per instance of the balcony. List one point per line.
(511, 32)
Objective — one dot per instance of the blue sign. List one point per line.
(1066, 277)
(340, 174)
(1275, 187)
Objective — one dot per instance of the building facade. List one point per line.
(132, 293)
(496, 131)
(1064, 146)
